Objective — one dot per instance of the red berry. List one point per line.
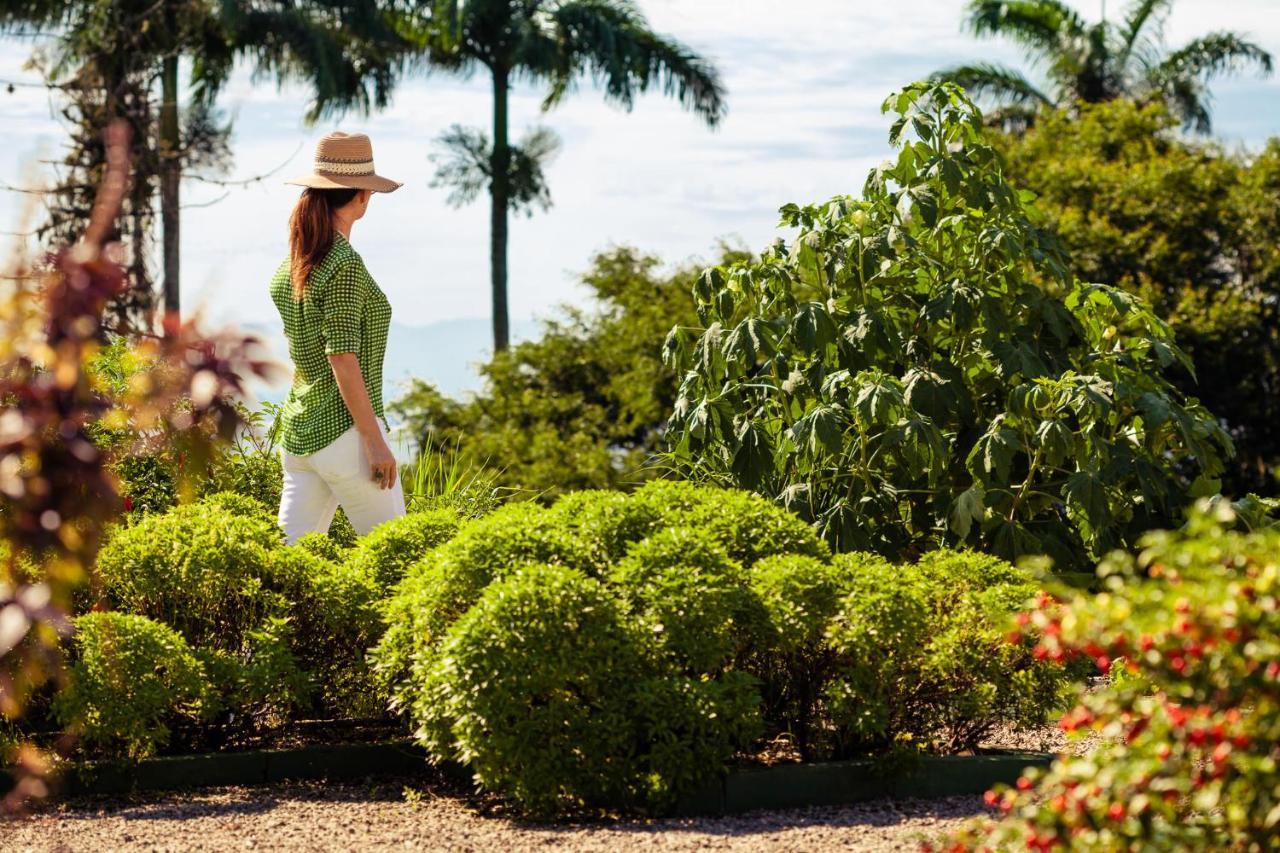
(991, 798)
(1116, 812)
(1024, 783)
(1103, 663)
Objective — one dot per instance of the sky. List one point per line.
(805, 81)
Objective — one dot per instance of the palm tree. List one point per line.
(556, 43)
(1102, 61)
(346, 50)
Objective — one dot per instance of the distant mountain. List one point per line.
(447, 354)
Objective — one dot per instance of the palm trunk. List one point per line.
(499, 191)
(170, 177)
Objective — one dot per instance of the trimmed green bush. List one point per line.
(924, 659)
(322, 546)
(544, 690)
(239, 504)
(799, 595)
(336, 618)
(691, 598)
(199, 569)
(750, 527)
(261, 686)
(746, 525)
(389, 549)
(131, 680)
(441, 586)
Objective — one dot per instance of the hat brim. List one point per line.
(375, 183)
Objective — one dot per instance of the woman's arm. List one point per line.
(346, 369)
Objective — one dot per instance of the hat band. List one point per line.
(334, 167)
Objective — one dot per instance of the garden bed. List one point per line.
(783, 785)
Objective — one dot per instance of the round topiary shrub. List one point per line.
(336, 618)
(544, 690)
(321, 545)
(131, 679)
(389, 549)
(799, 595)
(239, 504)
(923, 654)
(448, 579)
(199, 569)
(690, 597)
(750, 527)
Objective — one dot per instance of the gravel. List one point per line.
(315, 816)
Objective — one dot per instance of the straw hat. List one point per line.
(345, 161)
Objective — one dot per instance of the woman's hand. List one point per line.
(382, 462)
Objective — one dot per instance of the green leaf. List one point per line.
(753, 458)
(993, 453)
(969, 507)
(1086, 498)
(821, 429)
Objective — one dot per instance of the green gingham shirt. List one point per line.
(342, 310)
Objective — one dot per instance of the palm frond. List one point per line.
(1213, 55)
(611, 42)
(1040, 26)
(997, 83)
(464, 166)
(1134, 35)
(350, 56)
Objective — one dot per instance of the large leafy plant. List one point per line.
(918, 368)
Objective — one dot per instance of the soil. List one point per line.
(413, 815)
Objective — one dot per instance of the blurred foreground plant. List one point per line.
(1189, 726)
(56, 493)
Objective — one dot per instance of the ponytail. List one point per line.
(311, 232)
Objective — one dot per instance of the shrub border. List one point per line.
(779, 787)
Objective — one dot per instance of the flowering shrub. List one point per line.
(1190, 631)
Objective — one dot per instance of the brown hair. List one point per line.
(311, 232)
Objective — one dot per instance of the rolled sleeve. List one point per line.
(344, 309)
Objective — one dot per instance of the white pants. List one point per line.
(315, 485)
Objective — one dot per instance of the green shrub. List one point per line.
(336, 618)
(691, 598)
(199, 569)
(746, 525)
(923, 659)
(440, 587)
(239, 504)
(799, 595)
(131, 679)
(389, 549)
(252, 472)
(147, 482)
(544, 690)
(261, 685)
(1187, 760)
(322, 546)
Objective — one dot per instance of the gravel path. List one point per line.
(352, 817)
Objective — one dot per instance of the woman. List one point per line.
(334, 437)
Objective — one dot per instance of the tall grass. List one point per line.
(450, 478)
